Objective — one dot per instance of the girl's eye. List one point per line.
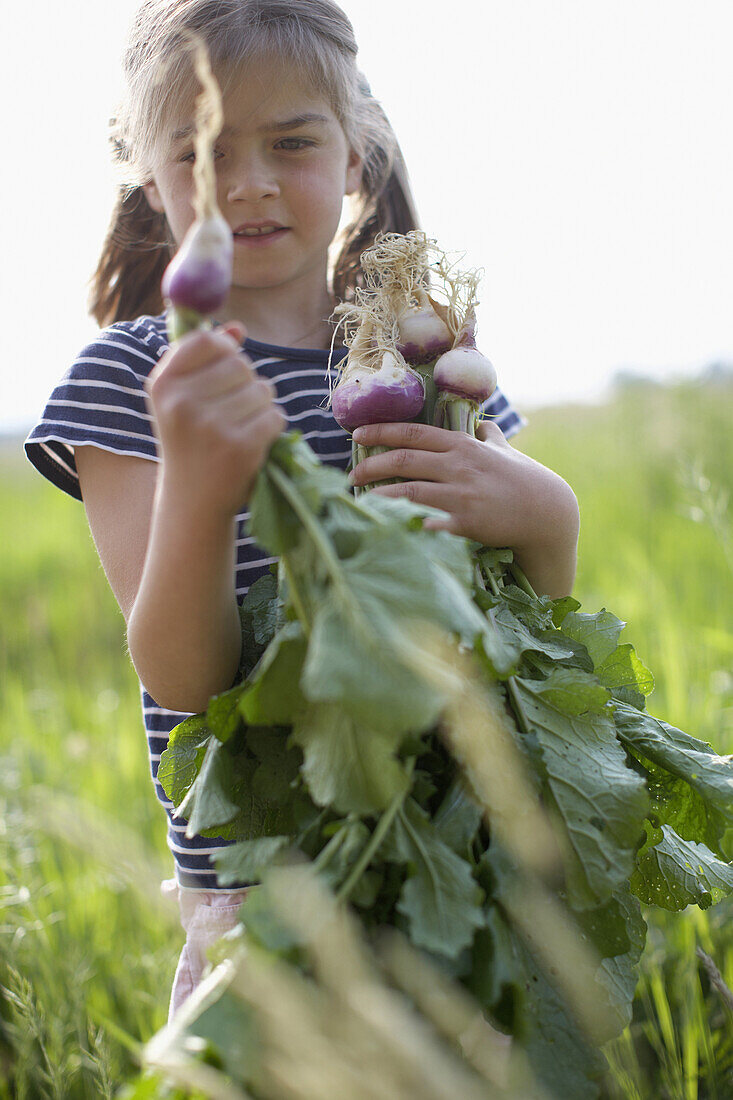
(294, 144)
(189, 158)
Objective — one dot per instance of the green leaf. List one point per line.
(626, 676)
(271, 695)
(223, 716)
(617, 666)
(181, 760)
(362, 645)
(510, 980)
(673, 873)
(230, 1028)
(497, 644)
(211, 804)
(261, 614)
(420, 576)
(561, 609)
(494, 978)
(516, 991)
(691, 786)
(599, 633)
(517, 635)
(602, 802)
(440, 899)
(272, 521)
(348, 766)
(242, 796)
(353, 835)
(352, 663)
(226, 1033)
(262, 604)
(605, 928)
(276, 774)
(563, 1060)
(492, 558)
(346, 525)
(573, 691)
(265, 925)
(407, 513)
(458, 817)
(618, 976)
(534, 611)
(320, 485)
(247, 860)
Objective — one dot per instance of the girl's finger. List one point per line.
(401, 462)
(242, 405)
(235, 329)
(488, 431)
(420, 436)
(194, 351)
(420, 492)
(260, 430)
(434, 523)
(224, 376)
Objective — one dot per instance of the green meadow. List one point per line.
(87, 946)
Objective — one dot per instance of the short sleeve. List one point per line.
(100, 401)
(504, 415)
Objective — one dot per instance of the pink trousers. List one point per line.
(205, 916)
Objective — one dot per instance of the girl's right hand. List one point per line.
(216, 419)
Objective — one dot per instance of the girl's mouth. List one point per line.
(259, 237)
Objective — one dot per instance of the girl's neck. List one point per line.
(273, 317)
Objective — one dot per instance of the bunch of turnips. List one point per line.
(411, 337)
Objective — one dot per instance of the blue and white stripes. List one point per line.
(101, 402)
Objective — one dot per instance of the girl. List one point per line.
(163, 444)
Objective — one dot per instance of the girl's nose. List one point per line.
(251, 181)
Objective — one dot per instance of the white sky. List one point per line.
(580, 151)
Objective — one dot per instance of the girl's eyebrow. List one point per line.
(306, 119)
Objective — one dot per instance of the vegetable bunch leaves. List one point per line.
(333, 747)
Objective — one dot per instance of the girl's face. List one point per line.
(283, 166)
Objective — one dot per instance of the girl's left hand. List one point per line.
(491, 492)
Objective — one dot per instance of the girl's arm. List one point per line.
(492, 493)
(166, 534)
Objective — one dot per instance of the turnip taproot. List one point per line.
(197, 280)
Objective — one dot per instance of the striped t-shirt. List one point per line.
(101, 401)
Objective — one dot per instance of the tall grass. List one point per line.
(86, 953)
(79, 945)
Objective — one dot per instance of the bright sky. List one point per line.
(580, 153)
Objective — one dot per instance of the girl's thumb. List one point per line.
(235, 329)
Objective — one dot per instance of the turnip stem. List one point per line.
(363, 452)
(327, 853)
(322, 543)
(462, 417)
(372, 846)
(427, 416)
(309, 521)
(520, 577)
(295, 596)
(181, 321)
(521, 718)
(455, 413)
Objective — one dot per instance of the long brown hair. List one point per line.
(316, 37)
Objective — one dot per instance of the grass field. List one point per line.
(87, 952)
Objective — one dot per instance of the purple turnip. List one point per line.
(197, 280)
(391, 393)
(422, 334)
(464, 379)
